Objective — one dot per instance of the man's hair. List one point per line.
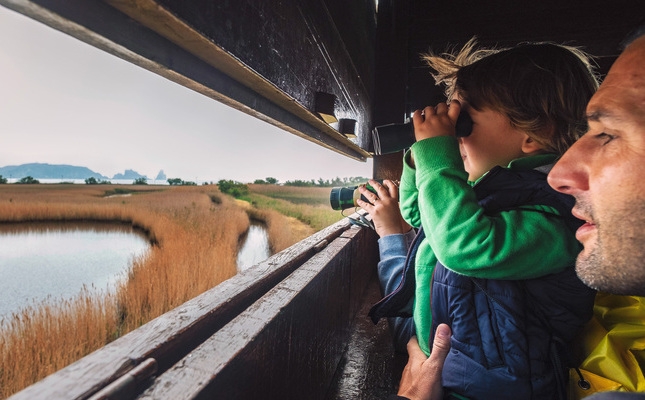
(633, 35)
(543, 88)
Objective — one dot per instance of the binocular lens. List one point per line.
(341, 198)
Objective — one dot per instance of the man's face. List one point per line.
(605, 172)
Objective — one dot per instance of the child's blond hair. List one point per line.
(543, 88)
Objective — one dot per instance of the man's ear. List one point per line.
(530, 146)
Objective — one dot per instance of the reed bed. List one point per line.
(45, 338)
(282, 231)
(195, 233)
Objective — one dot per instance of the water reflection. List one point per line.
(42, 260)
(255, 247)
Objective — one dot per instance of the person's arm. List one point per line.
(421, 378)
(408, 193)
(395, 234)
(462, 236)
(383, 206)
(467, 240)
(393, 251)
(395, 239)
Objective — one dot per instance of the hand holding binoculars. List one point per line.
(396, 137)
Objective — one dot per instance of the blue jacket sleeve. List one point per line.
(393, 250)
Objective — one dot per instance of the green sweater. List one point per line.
(523, 243)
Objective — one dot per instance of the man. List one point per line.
(604, 172)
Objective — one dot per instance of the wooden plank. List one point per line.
(370, 368)
(287, 344)
(308, 57)
(248, 43)
(170, 336)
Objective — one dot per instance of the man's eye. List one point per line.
(605, 137)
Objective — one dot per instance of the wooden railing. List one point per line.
(293, 326)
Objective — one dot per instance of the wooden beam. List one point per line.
(109, 29)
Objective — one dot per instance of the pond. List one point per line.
(40, 261)
(255, 247)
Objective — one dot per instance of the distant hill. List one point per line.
(48, 171)
(129, 174)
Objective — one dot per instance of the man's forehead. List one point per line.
(629, 67)
(623, 90)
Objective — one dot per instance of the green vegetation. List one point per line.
(233, 188)
(3, 180)
(352, 181)
(265, 181)
(309, 205)
(28, 180)
(140, 181)
(93, 181)
(179, 182)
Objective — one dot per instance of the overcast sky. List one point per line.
(65, 102)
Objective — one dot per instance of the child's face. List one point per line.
(493, 142)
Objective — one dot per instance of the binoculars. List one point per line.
(345, 197)
(396, 137)
(389, 139)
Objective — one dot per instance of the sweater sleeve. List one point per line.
(408, 194)
(518, 244)
(393, 250)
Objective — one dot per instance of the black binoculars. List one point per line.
(396, 137)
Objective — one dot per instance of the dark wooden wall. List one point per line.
(301, 47)
(408, 28)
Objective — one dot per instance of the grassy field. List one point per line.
(195, 233)
(309, 205)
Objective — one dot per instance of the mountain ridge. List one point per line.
(60, 171)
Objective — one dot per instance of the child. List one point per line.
(497, 248)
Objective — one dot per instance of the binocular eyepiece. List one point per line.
(396, 137)
(345, 197)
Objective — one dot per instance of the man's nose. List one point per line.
(569, 175)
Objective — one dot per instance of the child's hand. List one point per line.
(384, 208)
(436, 121)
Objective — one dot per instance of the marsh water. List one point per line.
(255, 247)
(45, 260)
(40, 261)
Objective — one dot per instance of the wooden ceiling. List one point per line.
(597, 26)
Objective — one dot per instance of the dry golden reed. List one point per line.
(282, 231)
(195, 243)
(45, 338)
(195, 232)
